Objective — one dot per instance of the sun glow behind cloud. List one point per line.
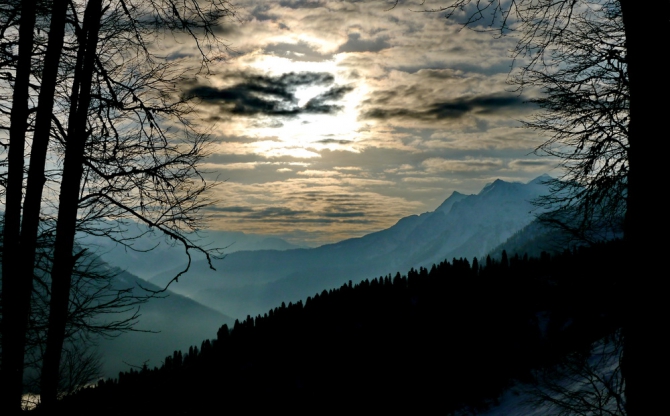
(300, 135)
(329, 98)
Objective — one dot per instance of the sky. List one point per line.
(334, 119)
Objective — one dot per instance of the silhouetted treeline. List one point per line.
(452, 336)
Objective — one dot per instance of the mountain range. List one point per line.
(270, 271)
(463, 226)
(149, 253)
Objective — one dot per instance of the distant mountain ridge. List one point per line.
(153, 253)
(462, 226)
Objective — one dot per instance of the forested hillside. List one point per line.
(448, 338)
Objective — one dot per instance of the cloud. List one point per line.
(274, 212)
(495, 137)
(300, 52)
(319, 173)
(329, 210)
(449, 109)
(229, 166)
(532, 165)
(344, 214)
(440, 73)
(356, 44)
(437, 164)
(424, 180)
(430, 113)
(268, 124)
(231, 209)
(302, 4)
(334, 141)
(263, 13)
(348, 168)
(319, 104)
(400, 169)
(272, 95)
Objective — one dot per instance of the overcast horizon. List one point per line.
(331, 120)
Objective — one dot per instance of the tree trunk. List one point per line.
(64, 261)
(40, 144)
(18, 264)
(643, 365)
(15, 287)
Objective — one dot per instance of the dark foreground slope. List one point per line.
(171, 321)
(442, 339)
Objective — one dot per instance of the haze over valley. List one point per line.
(252, 282)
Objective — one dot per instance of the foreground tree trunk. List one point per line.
(644, 324)
(18, 264)
(64, 261)
(172, 167)
(16, 288)
(38, 149)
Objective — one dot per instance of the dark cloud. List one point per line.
(300, 51)
(320, 105)
(274, 212)
(344, 214)
(318, 221)
(532, 163)
(490, 103)
(217, 119)
(334, 141)
(260, 12)
(273, 96)
(226, 29)
(452, 109)
(335, 93)
(437, 73)
(356, 44)
(382, 98)
(502, 66)
(177, 55)
(302, 4)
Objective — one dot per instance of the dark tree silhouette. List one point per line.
(111, 102)
(540, 25)
(585, 112)
(430, 338)
(587, 381)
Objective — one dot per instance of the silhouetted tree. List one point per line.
(587, 381)
(585, 112)
(120, 157)
(540, 26)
